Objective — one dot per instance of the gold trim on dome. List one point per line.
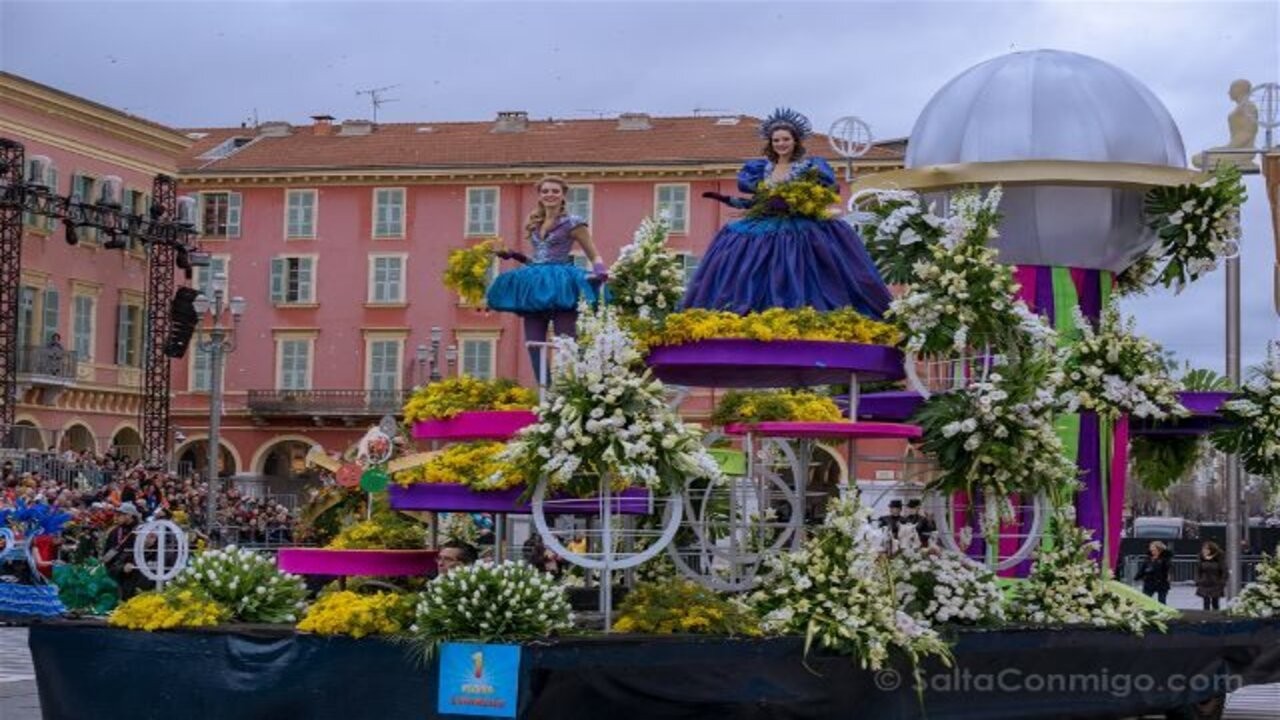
(1022, 172)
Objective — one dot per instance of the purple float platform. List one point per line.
(445, 497)
(846, 430)
(732, 363)
(1204, 407)
(475, 425)
(385, 563)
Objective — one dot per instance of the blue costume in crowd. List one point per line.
(784, 260)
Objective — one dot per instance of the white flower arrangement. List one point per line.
(647, 280)
(1196, 226)
(1253, 417)
(487, 602)
(1260, 598)
(246, 583)
(604, 417)
(938, 586)
(898, 231)
(958, 297)
(997, 435)
(839, 591)
(1113, 371)
(1065, 587)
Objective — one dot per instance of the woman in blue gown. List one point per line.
(777, 257)
(547, 289)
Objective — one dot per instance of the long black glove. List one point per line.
(513, 255)
(734, 202)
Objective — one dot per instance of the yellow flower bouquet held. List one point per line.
(467, 271)
(444, 399)
(803, 197)
(348, 613)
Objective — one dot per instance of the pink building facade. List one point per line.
(337, 238)
(87, 396)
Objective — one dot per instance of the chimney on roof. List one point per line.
(511, 121)
(350, 128)
(634, 121)
(323, 124)
(275, 128)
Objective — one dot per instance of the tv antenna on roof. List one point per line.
(600, 113)
(376, 99)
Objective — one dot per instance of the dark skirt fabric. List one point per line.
(755, 264)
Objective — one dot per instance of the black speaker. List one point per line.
(182, 322)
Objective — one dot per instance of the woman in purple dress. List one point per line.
(547, 289)
(777, 256)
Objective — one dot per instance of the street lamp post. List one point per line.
(437, 335)
(216, 339)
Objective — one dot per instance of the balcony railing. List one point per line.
(43, 363)
(327, 402)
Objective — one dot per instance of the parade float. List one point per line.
(1038, 186)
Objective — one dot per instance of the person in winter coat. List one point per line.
(1211, 575)
(1154, 572)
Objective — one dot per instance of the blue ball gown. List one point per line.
(755, 264)
(549, 282)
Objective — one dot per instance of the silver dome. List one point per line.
(1054, 105)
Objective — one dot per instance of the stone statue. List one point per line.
(1243, 124)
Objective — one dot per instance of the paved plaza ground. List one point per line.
(18, 699)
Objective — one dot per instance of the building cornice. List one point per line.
(99, 117)
(8, 126)
(454, 175)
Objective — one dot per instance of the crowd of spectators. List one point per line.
(93, 497)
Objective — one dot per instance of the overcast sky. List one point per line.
(190, 64)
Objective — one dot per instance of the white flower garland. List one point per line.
(1260, 598)
(839, 590)
(647, 280)
(1196, 226)
(602, 416)
(485, 602)
(1065, 587)
(247, 583)
(1113, 371)
(1254, 417)
(940, 586)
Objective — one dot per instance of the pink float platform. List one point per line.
(325, 561)
(781, 363)
(475, 425)
(444, 497)
(848, 430)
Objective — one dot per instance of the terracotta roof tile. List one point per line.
(671, 140)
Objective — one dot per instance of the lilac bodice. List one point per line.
(558, 243)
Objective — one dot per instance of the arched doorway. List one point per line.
(284, 467)
(193, 458)
(26, 436)
(127, 443)
(79, 438)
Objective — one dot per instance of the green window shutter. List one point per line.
(277, 280)
(233, 214)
